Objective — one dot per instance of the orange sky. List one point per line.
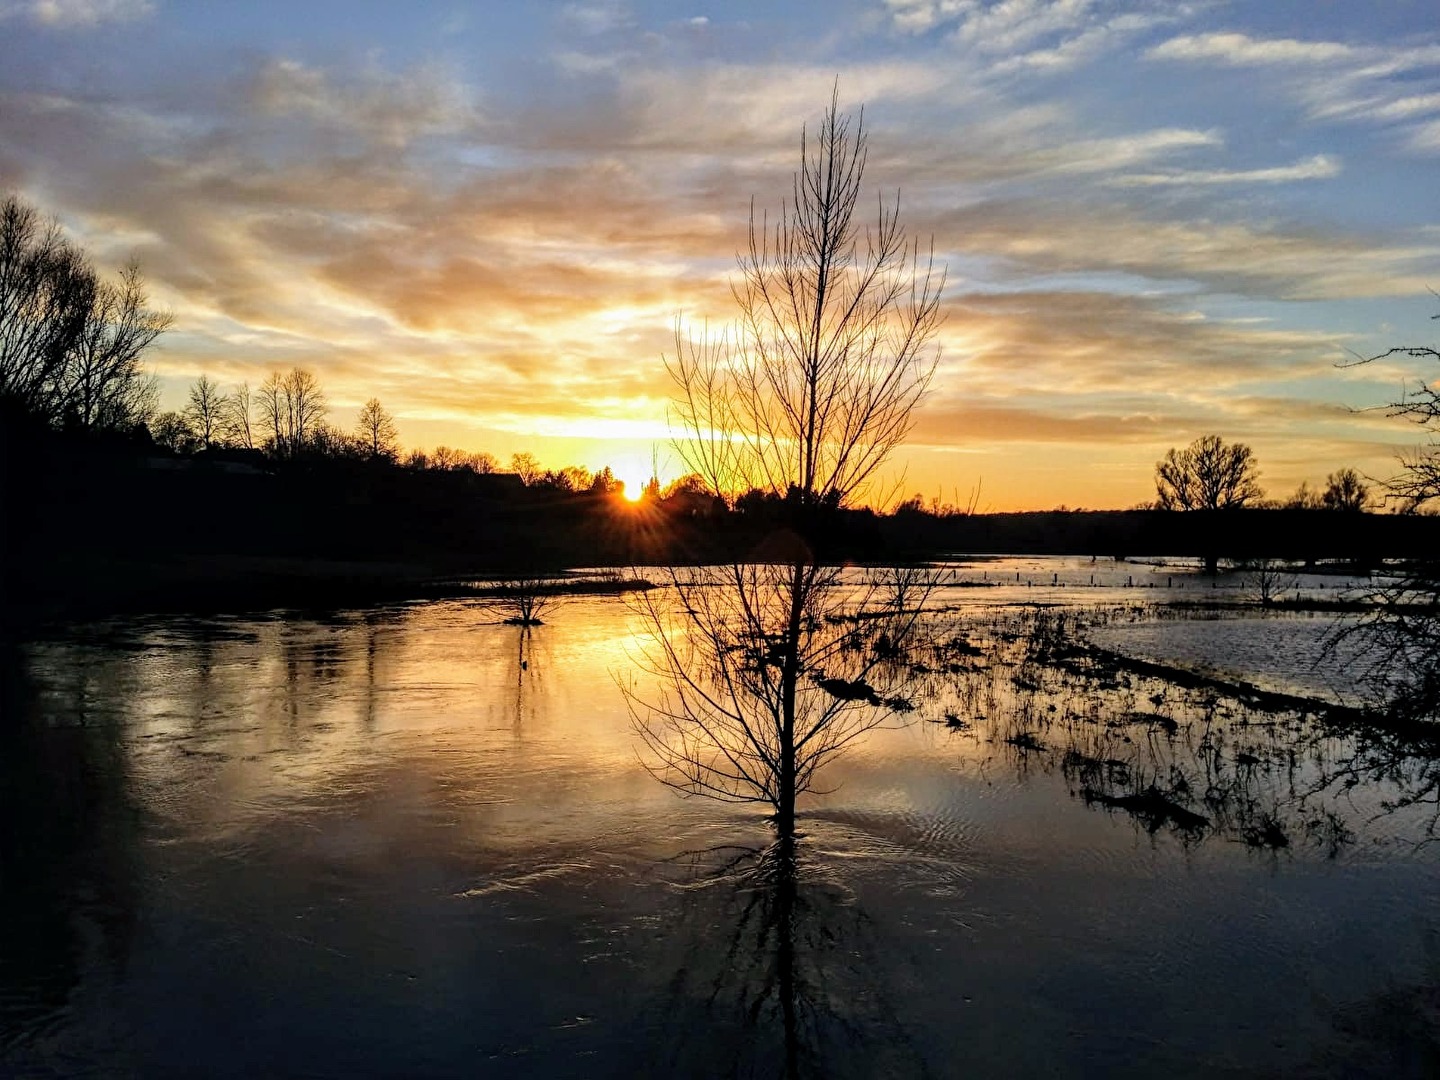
(1160, 221)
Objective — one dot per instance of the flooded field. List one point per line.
(411, 841)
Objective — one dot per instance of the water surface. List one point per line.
(375, 842)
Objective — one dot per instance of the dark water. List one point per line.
(372, 844)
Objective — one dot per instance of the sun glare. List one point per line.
(634, 472)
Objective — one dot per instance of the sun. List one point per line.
(634, 478)
(635, 469)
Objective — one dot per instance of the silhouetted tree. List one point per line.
(173, 431)
(70, 344)
(237, 418)
(521, 600)
(526, 467)
(327, 442)
(306, 407)
(205, 411)
(375, 429)
(1401, 630)
(771, 667)
(291, 406)
(604, 482)
(570, 478)
(271, 403)
(46, 290)
(1305, 498)
(1267, 579)
(1345, 490)
(105, 387)
(1209, 474)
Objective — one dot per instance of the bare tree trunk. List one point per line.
(790, 680)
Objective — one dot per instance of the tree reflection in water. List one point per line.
(800, 987)
(1188, 757)
(68, 849)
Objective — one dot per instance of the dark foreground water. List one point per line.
(372, 844)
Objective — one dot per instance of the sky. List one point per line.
(1159, 220)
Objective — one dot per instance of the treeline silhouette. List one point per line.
(100, 520)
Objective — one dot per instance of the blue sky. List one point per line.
(1160, 220)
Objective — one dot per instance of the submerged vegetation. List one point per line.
(1190, 754)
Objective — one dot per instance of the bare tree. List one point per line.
(447, 458)
(1399, 634)
(1345, 490)
(206, 411)
(104, 384)
(1304, 498)
(291, 407)
(1267, 580)
(173, 431)
(482, 463)
(70, 344)
(1209, 474)
(306, 407)
(771, 667)
(376, 431)
(46, 292)
(521, 600)
(330, 442)
(272, 412)
(237, 412)
(528, 469)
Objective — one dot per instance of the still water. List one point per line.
(376, 843)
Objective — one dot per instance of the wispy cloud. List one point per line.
(1239, 50)
(75, 14)
(996, 27)
(1252, 259)
(1334, 80)
(1040, 36)
(393, 108)
(1319, 167)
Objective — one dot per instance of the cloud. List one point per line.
(1254, 259)
(1334, 80)
(1032, 36)
(596, 17)
(994, 27)
(1318, 167)
(1085, 46)
(75, 14)
(392, 108)
(1012, 24)
(1239, 50)
(1114, 345)
(922, 16)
